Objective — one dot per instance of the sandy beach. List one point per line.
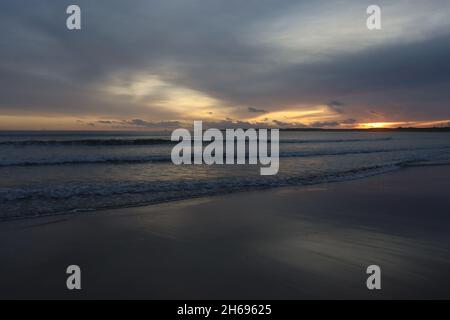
(285, 243)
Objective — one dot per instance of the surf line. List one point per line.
(236, 141)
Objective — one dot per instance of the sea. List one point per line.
(47, 173)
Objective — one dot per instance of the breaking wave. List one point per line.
(165, 158)
(94, 196)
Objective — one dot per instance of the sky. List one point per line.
(161, 64)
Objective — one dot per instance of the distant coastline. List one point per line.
(398, 129)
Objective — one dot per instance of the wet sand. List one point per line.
(286, 243)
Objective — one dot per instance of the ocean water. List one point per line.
(60, 172)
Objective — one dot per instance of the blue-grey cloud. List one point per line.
(255, 110)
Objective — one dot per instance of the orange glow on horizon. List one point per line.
(416, 124)
(377, 125)
(306, 117)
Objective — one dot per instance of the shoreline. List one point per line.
(75, 212)
(283, 243)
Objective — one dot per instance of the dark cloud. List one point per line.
(234, 124)
(374, 113)
(323, 124)
(282, 124)
(152, 125)
(336, 103)
(210, 47)
(256, 110)
(348, 121)
(336, 106)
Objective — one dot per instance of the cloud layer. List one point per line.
(255, 60)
